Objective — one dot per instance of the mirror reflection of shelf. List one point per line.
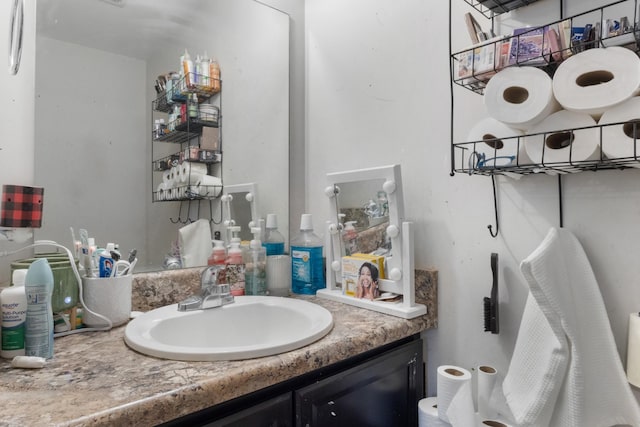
(179, 94)
(188, 192)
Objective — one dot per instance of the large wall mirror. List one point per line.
(96, 66)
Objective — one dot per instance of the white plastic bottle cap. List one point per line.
(306, 222)
(272, 221)
(18, 277)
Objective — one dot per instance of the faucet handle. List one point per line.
(210, 275)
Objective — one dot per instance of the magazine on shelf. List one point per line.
(531, 45)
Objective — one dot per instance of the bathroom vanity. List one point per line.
(96, 380)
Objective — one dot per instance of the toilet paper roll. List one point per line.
(450, 379)
(166, 178)
(174, 175)
(491, 422)
(559, 145)
(633, 350)
(520, 97)
(499, 142)
(191, 172)
(428, 413)
(597, 79)
(206, 186)
(461, 411)
(617, 139)
(160, 191)
(486, 381)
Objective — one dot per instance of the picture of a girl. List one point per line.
(367, 286)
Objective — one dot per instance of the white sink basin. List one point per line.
(252, 326)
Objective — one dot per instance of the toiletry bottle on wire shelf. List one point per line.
(235, 264)
(39, 324)
(214, 75)
(255, 272)
(307, 264)
(188, 69)
(14, 313)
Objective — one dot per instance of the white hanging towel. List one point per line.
(595, 392)
(195, 243)
(537, 369)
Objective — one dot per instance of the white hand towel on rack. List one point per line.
(595, 391)
(537, 368)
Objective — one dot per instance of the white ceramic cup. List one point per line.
(108, 296)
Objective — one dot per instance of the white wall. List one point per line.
(16, 129)
(377, 92)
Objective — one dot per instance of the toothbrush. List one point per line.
(86, 259)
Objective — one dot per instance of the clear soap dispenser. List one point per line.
(255, 272)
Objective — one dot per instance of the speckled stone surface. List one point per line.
(96, 380)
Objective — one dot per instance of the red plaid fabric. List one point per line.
(21, 206)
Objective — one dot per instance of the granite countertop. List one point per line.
(96, 380)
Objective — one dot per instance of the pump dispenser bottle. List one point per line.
(307, 265)
(235, 265)
(255, 272)
(14, 312)
(39, 329)
(219, 257)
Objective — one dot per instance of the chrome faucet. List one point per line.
(212, 294)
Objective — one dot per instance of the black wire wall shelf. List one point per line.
(472, 73)
(467, 159)
(464, 154)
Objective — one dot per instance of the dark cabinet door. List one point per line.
(275, 412)
(383, 392)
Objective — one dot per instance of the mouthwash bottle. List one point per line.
(255, 270)
(38, 285)
(307, 266)
(273, 239)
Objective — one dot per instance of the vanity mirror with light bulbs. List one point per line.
(239, 209)
(386, 224)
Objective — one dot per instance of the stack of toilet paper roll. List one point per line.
(532, 115)
(188, 179)
(454, 404)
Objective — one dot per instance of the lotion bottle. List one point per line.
(39, 322)
(187, 69)
(255, 272)
(14, 314)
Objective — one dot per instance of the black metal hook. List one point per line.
(495, 208)
(179, 220)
